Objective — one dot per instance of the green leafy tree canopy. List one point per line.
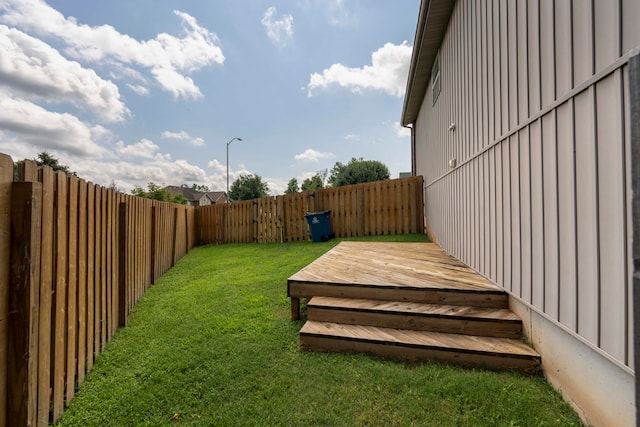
(196, 187)
(292, 186)
(357, 171)
(313, 183)
(155, 192)
(248, 187)
(47, 159)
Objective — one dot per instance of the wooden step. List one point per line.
(489, 322)
(487, 298)
(463, 350)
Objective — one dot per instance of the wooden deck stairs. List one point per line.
(407, 301)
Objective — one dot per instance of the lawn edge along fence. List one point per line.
(75, 258)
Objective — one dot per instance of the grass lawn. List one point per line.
(211, 344)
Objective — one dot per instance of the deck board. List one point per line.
(417, 265)
(465, 343)
(414, 308)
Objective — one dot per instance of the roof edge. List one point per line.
(433, 21)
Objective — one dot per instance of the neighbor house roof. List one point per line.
(195, 196)
(433, 21)
(217, 196)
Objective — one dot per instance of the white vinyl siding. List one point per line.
(538, 200)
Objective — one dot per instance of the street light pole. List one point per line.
(233, 139)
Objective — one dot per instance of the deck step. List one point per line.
(489, 322)
(463, 350)
(487, 298)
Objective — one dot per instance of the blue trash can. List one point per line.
(320, 225)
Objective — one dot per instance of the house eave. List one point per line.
(433, 21)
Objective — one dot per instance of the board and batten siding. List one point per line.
(536, 92)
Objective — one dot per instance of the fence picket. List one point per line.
(24, 296)
(91, 243)
(46, 177)
(6, 179)
(60, 294)
(72, 284)
(103, 269)
(82, 280)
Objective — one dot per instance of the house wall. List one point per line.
(539, 199)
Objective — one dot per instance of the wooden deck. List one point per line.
(369, 269)
(422, 265)
(410, 301)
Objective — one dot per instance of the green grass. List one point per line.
(211, 344)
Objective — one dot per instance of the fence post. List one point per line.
(154, 248)
(28, 171)
(122, 264)
(24, 294)
(175, 237)
(186, 230)
(6, 179)
(223, 224)
(362, 212)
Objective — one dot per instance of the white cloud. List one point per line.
(40, 128)
(280, 32)
(122, 72)
(175, 135)
(219, 178)
(139, 89)
(388, 72)
(197, 142)
(183, 136)
(145, 149)
(176, 83)
(159, 170)
(216, 165)
(36, 70)
(276, 186)
(351, 137)
(401, 132)
(169, 58)
(311, 155)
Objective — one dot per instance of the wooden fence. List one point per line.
(383, 207)
(74, 259)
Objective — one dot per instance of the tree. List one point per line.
(357, 171)
(155, 192)
(292, 186)
(313, 183)
(196, 187)
(113, 185)
(46, 159)
(248, 187)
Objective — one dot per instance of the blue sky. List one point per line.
(152, 90)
